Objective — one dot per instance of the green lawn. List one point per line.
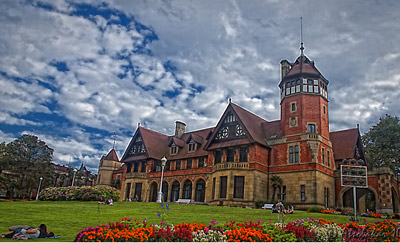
(67, 218)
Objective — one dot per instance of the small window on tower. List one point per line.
(287, 91)
(304, 81)
(316, 89)
(293, 83)
(324, 109)
(293, 90)
(298, 81)
(304, 88)
(310, 88)
(310, 81)
(298, 89)
(315, 82)
(293, 106)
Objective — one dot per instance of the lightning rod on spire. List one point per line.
(301, 36)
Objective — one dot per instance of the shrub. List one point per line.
(328, 232)
(84, 193)
(302, 233)
(278, 234)
(315, 209)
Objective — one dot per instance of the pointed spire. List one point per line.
(301, 36)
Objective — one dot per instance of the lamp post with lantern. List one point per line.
(38, 191)
(163, 162)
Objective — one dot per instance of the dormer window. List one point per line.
(173, 149)
(192, 147)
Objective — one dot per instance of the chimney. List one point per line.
(285, 67)
(180, 128)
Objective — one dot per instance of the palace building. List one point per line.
(245, 158)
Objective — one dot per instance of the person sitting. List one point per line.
(290, 210)
(101, 200)
(274, 209)
(279, 206)
(111, 202)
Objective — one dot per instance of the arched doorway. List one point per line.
(395, 201)
(365, 199)
(175, 191)
(165, 190)
(153, 192)
(200, 191)
(187, 190)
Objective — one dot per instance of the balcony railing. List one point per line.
(231, 165)
(135, 175)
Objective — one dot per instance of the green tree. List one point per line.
(26, 159)
(382, 143)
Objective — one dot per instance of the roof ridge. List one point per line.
(249, 112)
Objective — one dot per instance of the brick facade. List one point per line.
(234, 162)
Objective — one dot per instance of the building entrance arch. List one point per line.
(200, 191)
(153, 192)
(366, 199)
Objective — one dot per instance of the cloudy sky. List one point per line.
(74, 72)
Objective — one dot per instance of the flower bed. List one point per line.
(84, 193)
(309, 229)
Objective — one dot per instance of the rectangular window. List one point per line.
(311, 128)
(328, 157)
(128, 167)
(303, 192)
(316, 89)
(310, 81)
(298, 81)
(239, 187)
(310, 88)
(143, 169)
(222, 186)
(158, 165)
(315, 82)
(243, 151)
(213, 189)
(304, 81)
(168, 165)
(217, 157)
(174, 150)
(230, 155)
(304, 88)
(294, 154)
(192, 147)
(298, 89)
(293, 106)
(323, 156)
(136, 167)
(188, 163)
(287, 91)
(283, 193)
(293, 90)
(178, 165)
(201, 162)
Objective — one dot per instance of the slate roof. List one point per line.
(112, 155)
(344, 143)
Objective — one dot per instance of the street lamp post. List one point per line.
(163, 162)
(73, 179)
(38, 191)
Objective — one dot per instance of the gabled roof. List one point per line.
(195, 138)
(112, 155)
(155, 144)
(344, 143)
(177, 141)
(200, 151)
(251, 124)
